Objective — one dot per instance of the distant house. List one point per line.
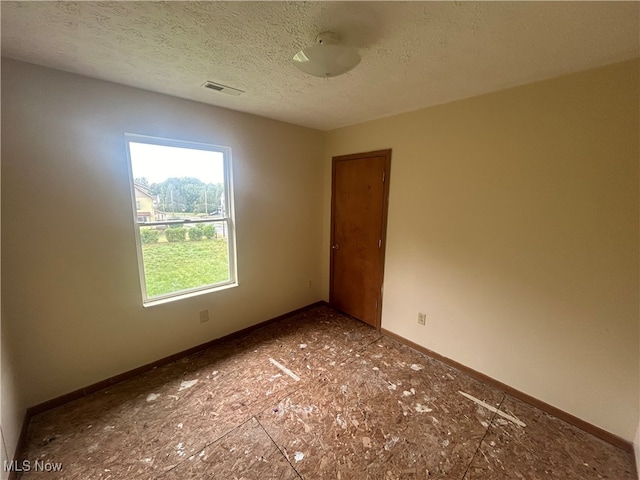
(146, 210)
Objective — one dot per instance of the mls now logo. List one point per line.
(28, 465)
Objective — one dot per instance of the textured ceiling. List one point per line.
(414, 54)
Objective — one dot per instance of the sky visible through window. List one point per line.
(156, 163)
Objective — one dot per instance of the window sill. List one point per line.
(181, 296)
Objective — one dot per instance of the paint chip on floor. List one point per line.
(180, 450)
(187, 384)
(416, 367)
(391, 443)
(152, 396)
(422, 409)
(298, 456)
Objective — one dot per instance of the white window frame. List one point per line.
(226, 216)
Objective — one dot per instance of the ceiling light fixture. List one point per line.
(326, 58)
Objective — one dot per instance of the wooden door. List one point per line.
(360, 192)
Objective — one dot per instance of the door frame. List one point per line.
(385, 208)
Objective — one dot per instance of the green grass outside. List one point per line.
(172, 267)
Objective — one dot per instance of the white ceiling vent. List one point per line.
(218, 87)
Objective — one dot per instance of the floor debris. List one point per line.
(187, 384)
(284, 369)
(494, 410)
(422, 409)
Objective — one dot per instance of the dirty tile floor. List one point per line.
(317, 395)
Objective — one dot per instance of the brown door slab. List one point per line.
(360, 192)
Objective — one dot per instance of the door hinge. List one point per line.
(379, 243)
(384, 175)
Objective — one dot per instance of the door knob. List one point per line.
(336, 246)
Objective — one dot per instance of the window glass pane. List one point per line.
(184, 256)
(174, 183)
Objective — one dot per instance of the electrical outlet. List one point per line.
(204, 316)
(310, 283)
(422, 318)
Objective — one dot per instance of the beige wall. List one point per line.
(71, 293)
(513, 224)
